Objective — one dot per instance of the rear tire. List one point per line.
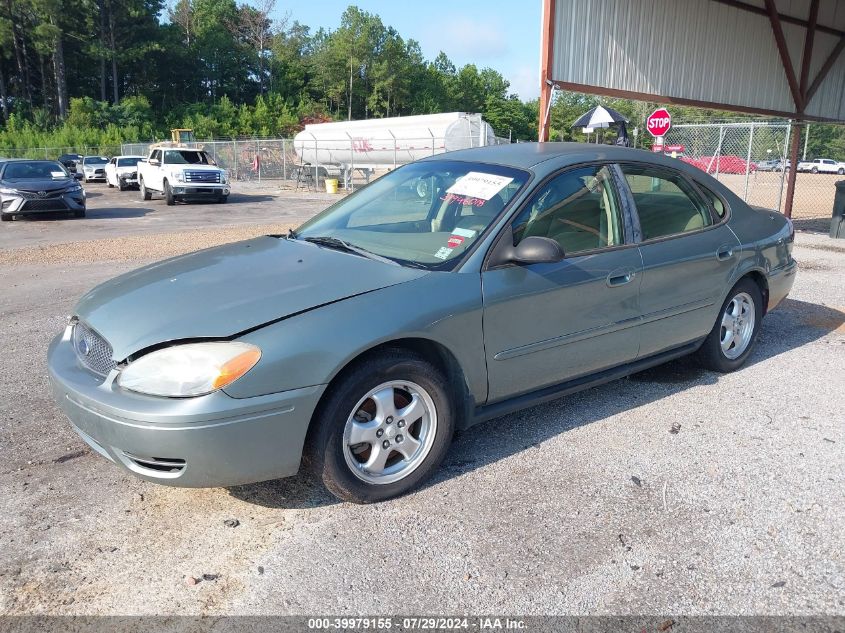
(814, 170)
(145, 193)
(169, 198)
(732, 338)
(368, 401)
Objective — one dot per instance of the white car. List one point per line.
(92, 168)
(822, 166)
(122, 172)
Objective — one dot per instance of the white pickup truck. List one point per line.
(822, 166)
(180, 173)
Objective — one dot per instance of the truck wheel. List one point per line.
(145, 193)
(841, 171)
(108, 182)
(815, 170)
(121, 185)
(169, 198)
(6, 217)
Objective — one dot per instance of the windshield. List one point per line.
(95, 160)
(427, 213)
(186, 157)
(35, 170)
(127, 162)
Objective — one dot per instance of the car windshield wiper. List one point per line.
(341, 245)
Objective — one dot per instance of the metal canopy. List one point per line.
(769, 57)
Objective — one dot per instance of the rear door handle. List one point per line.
(620, 277)
(725, 253)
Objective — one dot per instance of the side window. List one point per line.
(666, 203)
(715, 201)
(156, 155)
(579, 209)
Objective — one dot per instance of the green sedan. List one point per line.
(450, 291)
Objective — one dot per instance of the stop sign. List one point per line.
(659, 122)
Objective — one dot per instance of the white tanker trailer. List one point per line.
(387, 143)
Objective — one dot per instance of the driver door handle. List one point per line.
(620, 277)
(724, 253)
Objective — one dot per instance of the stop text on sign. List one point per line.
(659, 122)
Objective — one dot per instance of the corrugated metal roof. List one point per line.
(696, 50)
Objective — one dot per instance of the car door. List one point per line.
(688, 253)
(548, 323)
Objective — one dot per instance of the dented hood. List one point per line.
(223, 291)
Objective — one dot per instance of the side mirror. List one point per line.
(76, 175)
(154, 161)
(537, 250)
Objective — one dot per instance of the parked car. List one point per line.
(70, 161)
(181, 173)
(784, 164)
(122, 172)
(769, 165)
(821, 166)
(93, 168)
(38, 186)
(725, 164)
(367, 336)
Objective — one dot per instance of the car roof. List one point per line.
(531, 155)
(129, 156)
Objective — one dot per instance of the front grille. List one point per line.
(35, 195)
(44, 205)
(92, 350)
(202, 176)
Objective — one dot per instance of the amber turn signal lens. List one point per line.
(233, 369)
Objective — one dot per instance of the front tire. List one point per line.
(383, 429)
(841, 171)
(79, 214)
(732, 338)
(222, 199)
(815, 170)
(169, 198)
(145, 193)
(6, 217)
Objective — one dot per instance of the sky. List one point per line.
(502, 35)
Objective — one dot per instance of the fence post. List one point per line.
(783, 163)
(394, 147)
(432, 140)
(748, 161)
(258, 158)
(284, 160)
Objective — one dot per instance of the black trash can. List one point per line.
(837, 223)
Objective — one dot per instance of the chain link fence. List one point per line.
(752, 160)
(308, 164)
(52, 153)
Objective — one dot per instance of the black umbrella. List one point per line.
(599, 117)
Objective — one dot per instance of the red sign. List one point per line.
(673, 148)
(659, 122)
(657, 147)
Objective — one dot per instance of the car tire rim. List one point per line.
(390, 432)
(737, 328)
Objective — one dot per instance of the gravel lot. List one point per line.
(675, 491)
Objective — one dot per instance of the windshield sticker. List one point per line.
(443, 253)
(479, 185)
(473, 202)
(454, 241)
(57, 174)
(464, 232)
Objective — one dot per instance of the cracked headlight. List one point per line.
(193, 369)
